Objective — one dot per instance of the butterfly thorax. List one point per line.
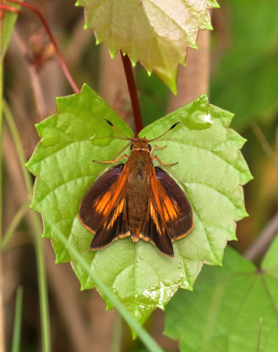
(138, 187)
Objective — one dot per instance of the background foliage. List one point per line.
(243, 80)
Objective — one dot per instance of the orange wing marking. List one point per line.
(103, 203)
(117, 212)
(170, 211)
(154, 217)
(115, 199)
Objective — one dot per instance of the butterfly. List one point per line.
(136, 199)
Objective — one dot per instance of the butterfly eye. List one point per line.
(149, 147)
(131, 146)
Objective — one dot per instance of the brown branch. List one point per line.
(259, 246)
(193, 80)
(132, 93)
(113, 85)
(53, 41)
(35, 82)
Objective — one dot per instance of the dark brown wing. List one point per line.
(115, 221)
(176, 208)
(114, 227)
(103, 209)
(94, 204)
(154, 230)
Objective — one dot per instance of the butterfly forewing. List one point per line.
(97, 199)
(115, 221)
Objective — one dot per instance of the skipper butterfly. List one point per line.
(137, 199)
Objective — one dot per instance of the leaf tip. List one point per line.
(209, 26)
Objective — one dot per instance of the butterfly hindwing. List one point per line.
(116, 226)
(154, 230)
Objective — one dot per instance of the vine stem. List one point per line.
(133, 93)
(53, 41)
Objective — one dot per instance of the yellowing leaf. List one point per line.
(154, 32)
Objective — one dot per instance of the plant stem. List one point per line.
(19, 147)
(132, 93)
(264, 143)
(44, 311)
(17, 320)
(259, 246)
(145, 337)
(117, 334)
(2, 339)
(15, 221)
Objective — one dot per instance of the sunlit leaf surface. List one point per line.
(234, 308)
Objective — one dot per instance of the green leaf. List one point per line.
(143, 334)
(7, 25)
(211, 170)
(233, 308)
(246, 80)
(156, 33)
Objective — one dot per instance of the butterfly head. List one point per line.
(140, 144)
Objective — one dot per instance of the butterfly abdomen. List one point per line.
(137, 195)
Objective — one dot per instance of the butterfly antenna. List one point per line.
(174, 125)
(111, 124)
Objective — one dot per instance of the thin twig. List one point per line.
(2, 317)
(53, 41)
(14, 223)
(35, 82)
(259, 246)
(132, 93)
(264, 143)
(8, 8)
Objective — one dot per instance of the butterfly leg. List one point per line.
(161, 163)
(111, 161)
(157, 147)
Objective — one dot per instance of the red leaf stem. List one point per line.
(8, 8)
(132, 93)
